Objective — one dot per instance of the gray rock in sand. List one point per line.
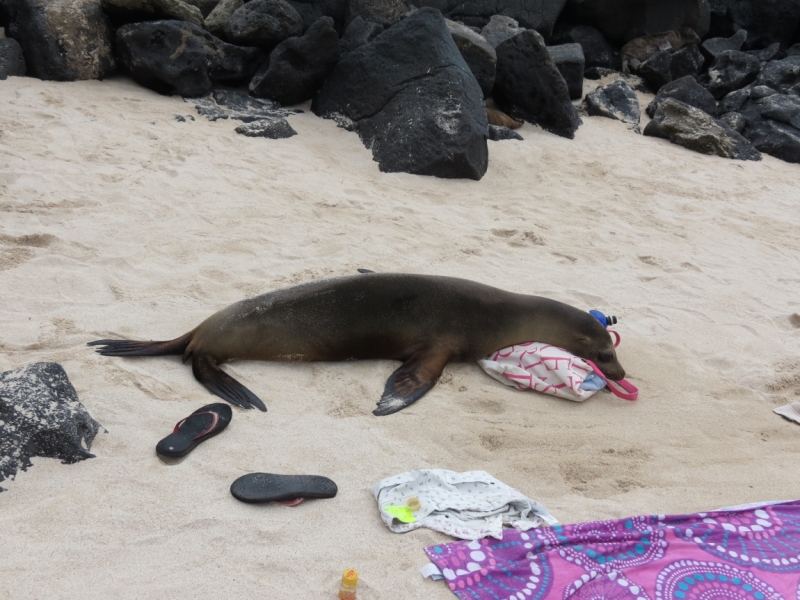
(273, 129)
(696, 130)
(40, 415)
(498, 133)
(570, 62)
(225, 104)
(616, 100)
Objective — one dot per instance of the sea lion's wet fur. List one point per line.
(425, 321)
(639, 49)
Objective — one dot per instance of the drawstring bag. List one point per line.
(551, 370)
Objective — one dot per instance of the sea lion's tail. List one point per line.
(133, 348)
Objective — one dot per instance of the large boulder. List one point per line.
(123, 12)
(776, 139)
(540, 15)
(713, 47)
(781, 107)
(597, 51)
(40, 415)
(477, 53)
(383, 12)
(298, 66)
(12, 61)
(696, 130)
(312, 11)
(358, 33)
(570, 62)
(623, 20)
(731, 71)
(656, 70)
(499, 29)
(215, 22)
(528, 85)
(616, 100)
(686, 61)
(178, 56)
(686, 90)
(412, 99)
(62, 40)
(780, 75)
(766, 21)
(263, 23)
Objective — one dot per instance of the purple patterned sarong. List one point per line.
(750, 554)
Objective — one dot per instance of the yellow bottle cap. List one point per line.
(413, 503)
(350, 577)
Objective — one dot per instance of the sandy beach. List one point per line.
(116, 220)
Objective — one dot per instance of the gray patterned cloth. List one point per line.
(470, 505)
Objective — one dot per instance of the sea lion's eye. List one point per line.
(605, 357)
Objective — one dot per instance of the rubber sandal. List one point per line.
(289, 490)
(204, 423)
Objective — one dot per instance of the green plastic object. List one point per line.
(401, 513)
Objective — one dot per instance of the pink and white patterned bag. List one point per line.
(545, 368)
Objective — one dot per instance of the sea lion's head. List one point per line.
(595, 344)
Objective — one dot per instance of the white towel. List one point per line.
(470, 505)
(790, 411)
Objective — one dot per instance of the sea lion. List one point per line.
(496, 117)
(424, 320)
(638, 50)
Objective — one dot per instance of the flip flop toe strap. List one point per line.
(207, 430)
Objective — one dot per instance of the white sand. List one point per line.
(116, 220)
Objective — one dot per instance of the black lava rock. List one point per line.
(499, 29)
(124, 12)
(731, 71)
(569, 60)
(616, 100)
(766, 21)
(298, 66)
(622, 20)
(540, 15)
(498, 133)
(312, 11)
(734, 100)
(781, 107)
(272, 129)
(597, 51)
(12, 62)
(656, 70)
(169, 56)
(219, 17)
(734, 120)
(776, 139)
(686, 61)
(696, 130)
(781, 75)
(358, 33)
(480, 57)
(412, 99)
(263, 23)
(529, 87)
(769, 53)
(383, 12)
(686, 90)
(225, 104)
(61, 41)
(40, 415)
(713, 47)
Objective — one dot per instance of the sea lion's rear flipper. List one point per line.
(411, 381)
(223, 385)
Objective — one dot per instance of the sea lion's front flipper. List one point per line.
(411, 381)
(223, 385)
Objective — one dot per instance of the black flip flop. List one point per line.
(202, 424)
(290, 490)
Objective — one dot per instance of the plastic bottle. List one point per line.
(347, 589)
(604, 320)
